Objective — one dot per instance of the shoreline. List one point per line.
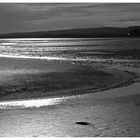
(126, 78)
(45, 102)
(113, 112)
(71, 59)
(105, 117)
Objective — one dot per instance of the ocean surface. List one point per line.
(84, 49)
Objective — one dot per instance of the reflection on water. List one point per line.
(73, 59)
(35, 103)
(70, 48)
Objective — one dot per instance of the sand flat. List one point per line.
(30, 78)
(86, 115)
(117, 116)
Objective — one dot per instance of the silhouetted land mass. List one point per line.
(133, 31)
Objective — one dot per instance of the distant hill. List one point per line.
(79, 33)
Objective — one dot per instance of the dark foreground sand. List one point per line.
(93, 114)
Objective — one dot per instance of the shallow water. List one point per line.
(69, 48)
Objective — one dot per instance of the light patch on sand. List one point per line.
(33, 103)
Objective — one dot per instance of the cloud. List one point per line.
(46, 16)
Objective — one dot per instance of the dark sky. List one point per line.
(34, 17)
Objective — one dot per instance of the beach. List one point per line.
(109, 118)
(69, 69)
(92, 106)
(30, 78)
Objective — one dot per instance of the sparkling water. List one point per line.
(127, 49)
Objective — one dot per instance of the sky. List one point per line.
(26, 17)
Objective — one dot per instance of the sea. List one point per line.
(73, 49)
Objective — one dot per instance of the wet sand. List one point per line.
(30, 78)
(116, 115)
(107, 113)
